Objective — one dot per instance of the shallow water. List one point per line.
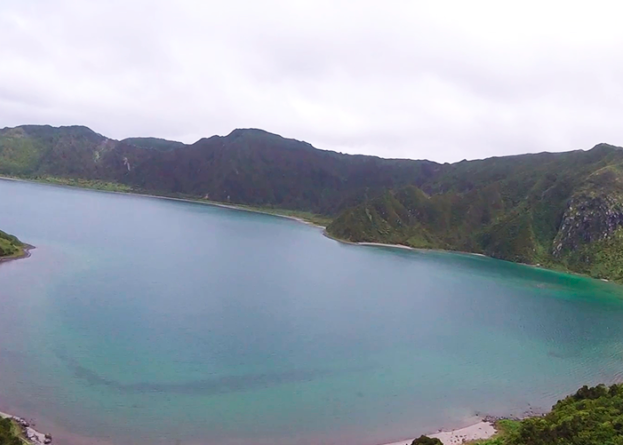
(146, 321)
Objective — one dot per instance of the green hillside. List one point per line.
(10, 246)
(154, 143)
(249, 167)
(562, 210)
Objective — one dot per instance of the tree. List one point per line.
(425, 440)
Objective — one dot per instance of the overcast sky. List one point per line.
(441, 80)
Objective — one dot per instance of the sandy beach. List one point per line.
(480, 430)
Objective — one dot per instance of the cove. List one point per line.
(145, 321)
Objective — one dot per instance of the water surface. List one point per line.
(146, 321)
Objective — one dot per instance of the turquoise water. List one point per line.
(146, 321)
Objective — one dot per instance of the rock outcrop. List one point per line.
(588, 220)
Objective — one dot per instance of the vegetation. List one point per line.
(250, 167)
(8, 433)
(592, 416)
(85, 183)
(154, 143)
(10, 246)
(319, 220)
(561, 210)
(505, 429)
(425, 440)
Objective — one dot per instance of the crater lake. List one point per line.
(148, 321)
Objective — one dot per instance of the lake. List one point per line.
(146, 321)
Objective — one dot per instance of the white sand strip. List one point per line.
(396, 246)
(481, 430)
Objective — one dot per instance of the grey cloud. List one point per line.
(443, 80)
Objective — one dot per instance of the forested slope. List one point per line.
(250, 167)
(561, 209)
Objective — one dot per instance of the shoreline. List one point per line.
(30, 434)
(478, 431)
(26, 248)
(422, 249)
(171, 198)
(461, 252)
(483, 429)
(297, 219)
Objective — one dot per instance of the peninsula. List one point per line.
(12, 248)
(15, 430)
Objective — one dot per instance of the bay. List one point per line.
(147, 321)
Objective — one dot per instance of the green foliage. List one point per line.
(154, 143)
(562, 210)
(250, 167)
(86, 183)
(599, 259)
(10, 246)
(505, 429)
(511, 238)
(7, 433)
(10, 238)
(7, 248)
(310, 217)
(425, 440)
(19, 154)
(591, 416)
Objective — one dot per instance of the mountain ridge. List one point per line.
(562, 210)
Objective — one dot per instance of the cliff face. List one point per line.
(587, 220)
(590, 237)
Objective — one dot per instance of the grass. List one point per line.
(16, 430)
(11, 247)
(319, 220)
(11, 433)
(504, 429)
(19, 252)
(86, 183)
(7, 248)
